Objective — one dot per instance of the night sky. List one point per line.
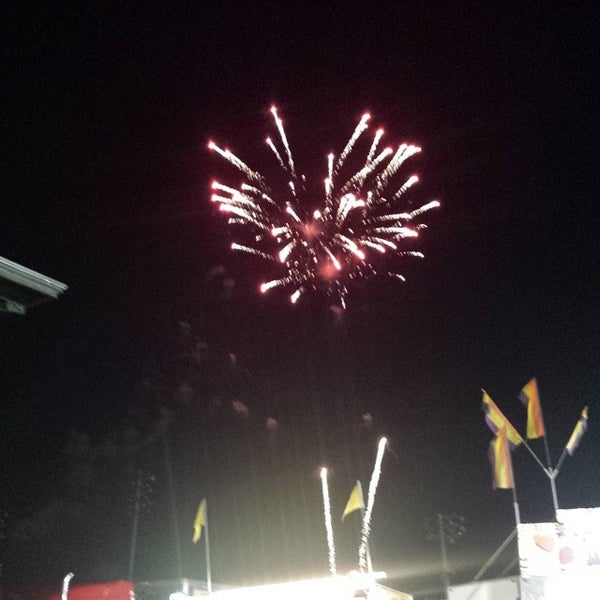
(141, 364)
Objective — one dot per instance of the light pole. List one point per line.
(143, 490)
(448, 529)
(444, 553)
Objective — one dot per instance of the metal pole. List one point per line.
(442, 531)
(134, 529)
(494, 556)
(550, 472)
(535, 456)
(560, 462)
(516, 505)
(207, 548)
(173, 503)
(552, 476)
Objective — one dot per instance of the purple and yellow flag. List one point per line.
(578, 432)
(501, 462)
(496, 420)
(530, 397)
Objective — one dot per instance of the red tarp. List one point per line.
(114, 590)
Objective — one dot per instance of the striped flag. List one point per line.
(578, 432)
(496, 420)
(530, 397)
(501, 462)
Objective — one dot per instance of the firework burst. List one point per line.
(341, 240)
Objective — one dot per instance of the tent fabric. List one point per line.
(114, 590)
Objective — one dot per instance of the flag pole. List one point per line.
(514, 491)
(559, 463)
(550, 473)
(362, 516)
(207, 550)
(516, 504)
(201, 521)
(549, 470)
(535, 456)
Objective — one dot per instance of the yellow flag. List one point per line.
(578, 432)
(199, 521)
(355, 501)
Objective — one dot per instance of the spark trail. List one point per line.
(328, 525)
(366, 524)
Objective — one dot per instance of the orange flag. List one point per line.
(501, 462)
(496, 420)
(530, 397)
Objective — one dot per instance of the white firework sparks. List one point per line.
(328, 525)
(366, 524)
(329, 247)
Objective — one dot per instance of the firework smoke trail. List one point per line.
(326, 248)
(328, 526)
(366, 524)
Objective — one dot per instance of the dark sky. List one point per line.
(106, 114)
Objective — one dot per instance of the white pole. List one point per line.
(65, 587)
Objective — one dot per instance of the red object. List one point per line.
(566, 555)
(114, 590)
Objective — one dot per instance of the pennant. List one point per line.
(501, 462)
(496, 420)
(530, 397)
(355, 501)
(578, 432)
(199, 521)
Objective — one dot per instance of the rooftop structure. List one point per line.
(21, 288)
